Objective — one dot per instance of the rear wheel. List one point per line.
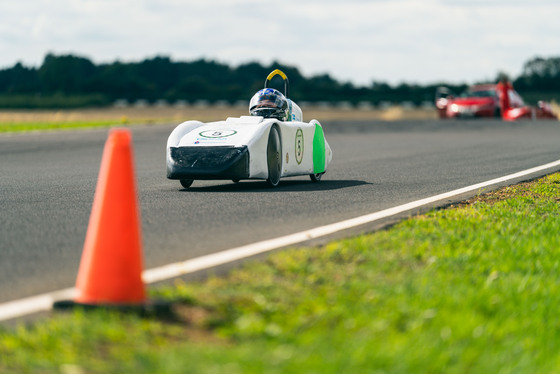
(315, 178)
(186, 183)
(274, 158)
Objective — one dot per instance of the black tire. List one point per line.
(235, 180)
(274, 158)
(316, 178)
(186, 183)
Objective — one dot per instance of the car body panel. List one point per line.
(472, 107)
(220, 150)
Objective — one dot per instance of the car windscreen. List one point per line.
(479, 93)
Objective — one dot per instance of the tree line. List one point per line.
(75, 81)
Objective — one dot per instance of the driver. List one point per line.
(270, 103)
(502, 88)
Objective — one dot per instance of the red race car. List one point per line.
(489, 100)
(478, 101)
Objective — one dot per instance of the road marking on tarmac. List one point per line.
(44, 302)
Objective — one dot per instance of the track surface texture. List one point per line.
(48, 182)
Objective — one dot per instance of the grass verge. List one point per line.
(29, 120)
(34, 126)
(468, 289)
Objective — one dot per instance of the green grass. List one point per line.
(34, 126)
(469, 289)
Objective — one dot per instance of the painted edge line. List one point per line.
(44, 302)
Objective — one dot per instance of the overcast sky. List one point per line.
(394, 41)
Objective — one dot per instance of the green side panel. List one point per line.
(318, 150)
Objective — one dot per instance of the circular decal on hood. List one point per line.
(217, 133)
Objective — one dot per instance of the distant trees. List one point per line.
(68, 80)
(18, 80)
(540, 74)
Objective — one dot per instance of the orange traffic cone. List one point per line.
(110, 270)
(111, 267)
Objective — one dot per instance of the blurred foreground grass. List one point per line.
(469, 289)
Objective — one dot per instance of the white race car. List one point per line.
(273, 142)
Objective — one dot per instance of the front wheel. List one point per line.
(274, 158)
(315, 178)
(186, 183)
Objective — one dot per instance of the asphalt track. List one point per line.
(48, 181)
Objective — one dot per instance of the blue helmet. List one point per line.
(269, 103)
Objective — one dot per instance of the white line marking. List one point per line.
(40, 303)
(34, 304)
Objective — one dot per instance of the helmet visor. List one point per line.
(267, 98)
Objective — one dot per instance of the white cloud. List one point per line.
(361, 41)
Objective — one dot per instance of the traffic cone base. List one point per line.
(148, 309)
